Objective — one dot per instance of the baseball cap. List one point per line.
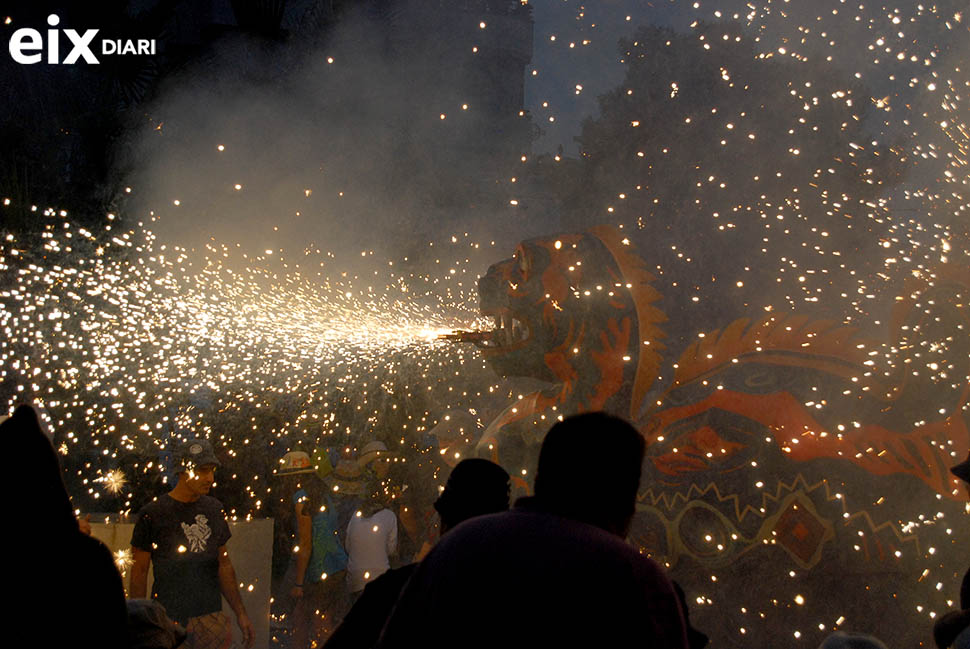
(194, 453)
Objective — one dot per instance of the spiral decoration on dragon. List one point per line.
(779, 458)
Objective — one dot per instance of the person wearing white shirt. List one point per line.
(371, 541)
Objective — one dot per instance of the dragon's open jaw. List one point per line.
(510, 331)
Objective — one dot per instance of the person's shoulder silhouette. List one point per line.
(77, 570)
(555, 570)
(476, 487)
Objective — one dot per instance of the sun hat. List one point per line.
(347, 478)
(293, 463)
(372, 451)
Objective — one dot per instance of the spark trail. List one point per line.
(122, 339)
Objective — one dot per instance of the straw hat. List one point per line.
(372, 451)
(347, 478)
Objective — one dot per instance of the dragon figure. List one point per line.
(776, 446)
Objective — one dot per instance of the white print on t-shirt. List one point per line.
(197, 533)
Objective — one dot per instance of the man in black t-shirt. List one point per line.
(184, 534)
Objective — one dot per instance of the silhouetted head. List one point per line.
(475, 487)
(589, 470)
(38, 496)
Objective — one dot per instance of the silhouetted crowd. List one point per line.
(553, 570)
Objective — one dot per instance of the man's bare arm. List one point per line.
(138, 586)
(230, 590)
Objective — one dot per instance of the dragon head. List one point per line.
(574, 310)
